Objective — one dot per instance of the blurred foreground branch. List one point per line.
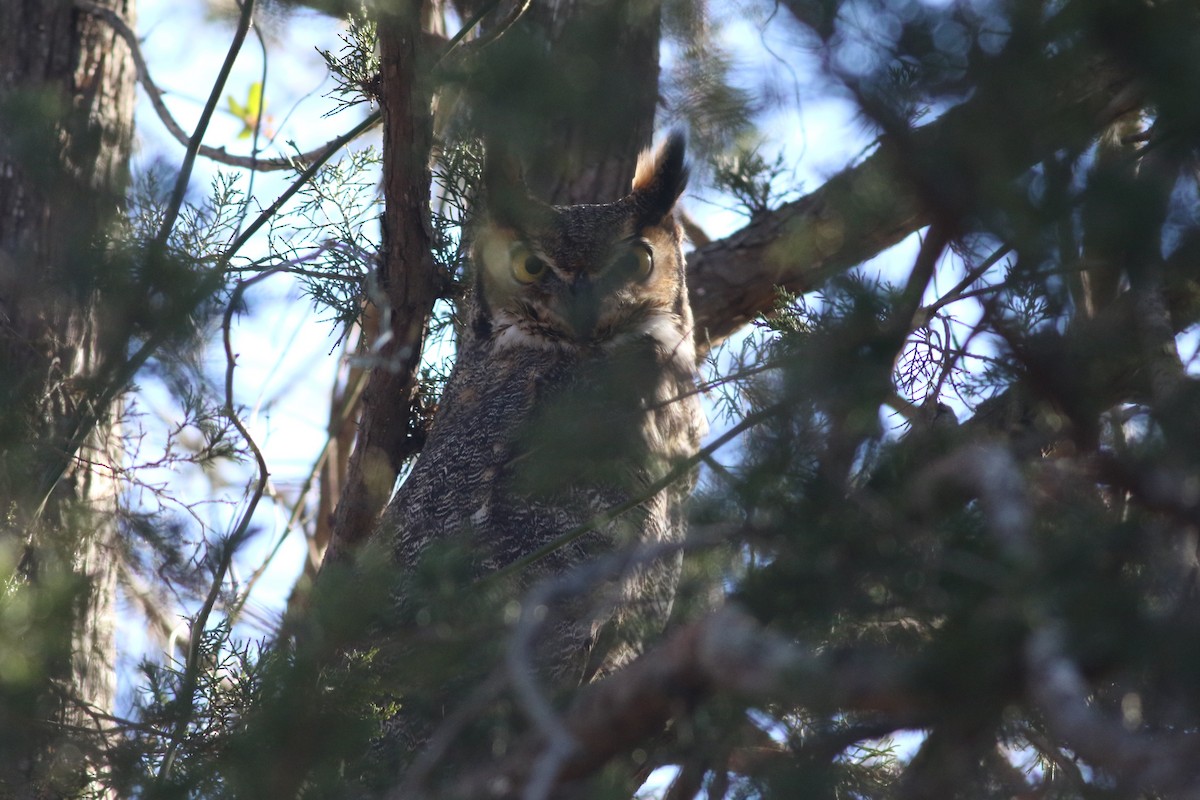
(726, 652)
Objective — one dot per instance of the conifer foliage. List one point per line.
(945, 541)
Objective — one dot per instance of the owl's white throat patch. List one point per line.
(510, 330)
(672, 338)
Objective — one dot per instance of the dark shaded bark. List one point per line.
(66, 110)
(588, 150)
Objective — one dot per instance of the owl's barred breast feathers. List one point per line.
(573, 392)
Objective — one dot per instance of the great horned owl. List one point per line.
(573, 392)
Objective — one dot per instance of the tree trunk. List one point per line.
(588, 153)
(67, 86)
(407, 280)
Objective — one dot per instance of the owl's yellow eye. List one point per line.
(526, 267)
(636, 262)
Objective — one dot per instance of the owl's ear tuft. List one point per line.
(660, 178)
(506, 196)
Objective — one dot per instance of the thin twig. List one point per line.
(298, 184)
(349, 404)
(925, 314)
(189, 158)
(155, 94)
(121, 374)
(191, 672)
(231, 409)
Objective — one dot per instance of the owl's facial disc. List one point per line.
(598, 299)
(581, 306)
(579, 284)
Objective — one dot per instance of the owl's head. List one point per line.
(587, 275)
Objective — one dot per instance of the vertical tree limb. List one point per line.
(67, 89)
(407, 278)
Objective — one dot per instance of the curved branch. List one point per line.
(1165, 761)
(218, 154)
(243, 525)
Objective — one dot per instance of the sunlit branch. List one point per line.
(869, 207)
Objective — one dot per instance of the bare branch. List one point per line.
(171, 214)
(959, 291)
(155, 94)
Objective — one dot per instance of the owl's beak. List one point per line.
(582, 306)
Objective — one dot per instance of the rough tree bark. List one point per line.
(407, 279)
(588, 153)
(67, 86)
(875, 204)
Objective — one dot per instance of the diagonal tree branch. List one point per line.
(877, 203)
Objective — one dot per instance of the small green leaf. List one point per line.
(249, 113)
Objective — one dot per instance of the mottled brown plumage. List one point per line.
(574, 390)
